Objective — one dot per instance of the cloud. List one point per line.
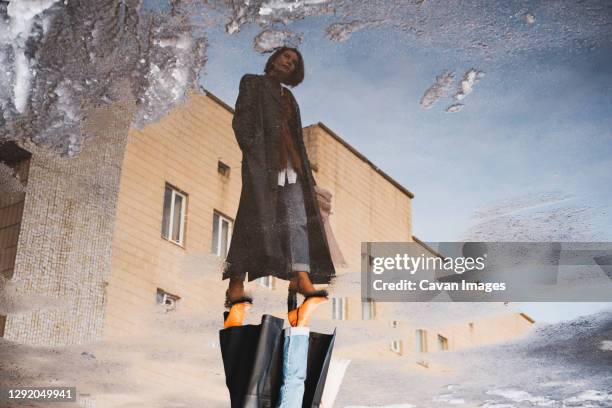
(439, 89)
(466, 86)
(268, 40)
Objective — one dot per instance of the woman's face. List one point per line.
(284, 64)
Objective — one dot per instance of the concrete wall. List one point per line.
(64, 248)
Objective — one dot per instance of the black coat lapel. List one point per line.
(272, 88)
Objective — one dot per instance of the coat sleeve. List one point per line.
(246, 120)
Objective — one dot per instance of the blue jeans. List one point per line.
(295, 359)
(294, 220)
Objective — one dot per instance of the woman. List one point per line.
(278, 229)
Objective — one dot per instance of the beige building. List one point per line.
(145, 219)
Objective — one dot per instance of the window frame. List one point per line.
(230, 228)
(166, 299)
(421, 340)
(223, 169)
(268, 282)
(182, 227)
(399, 349)
(370, 306)
(342, 308)
(442, 342)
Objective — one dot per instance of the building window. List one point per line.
(442, 343)
(221, 235)
(421, 341)
(223, 169)
(267, 281)
(396, 346)
(368, 310)
(86, 401)
(173, 220)
(166, 299)
(339, 308)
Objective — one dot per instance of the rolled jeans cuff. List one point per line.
(300, 267)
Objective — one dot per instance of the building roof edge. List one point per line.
(215, 98)
(430, 249)
(363, 158)
(335, 136)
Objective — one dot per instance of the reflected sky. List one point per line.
(538, 125)
(539, 122)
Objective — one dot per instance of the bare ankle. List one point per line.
(303, 282)
(236, 288)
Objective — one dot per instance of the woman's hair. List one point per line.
(298, 73)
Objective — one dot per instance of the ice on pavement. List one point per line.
(529, 18)
(152, 53)
(521, 396)
(268, 40)
(266, 13)
(558, 365)
(466, 86)
(456, 107)
(340, 32)
(22, 16)
(561, 365)
(547, 216)
(439, 89)
(124, 52)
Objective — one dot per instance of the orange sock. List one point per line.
(236, 314)
(301, 316)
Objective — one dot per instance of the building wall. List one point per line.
(91, 230)
(485, 330)
(64, 247)
(14, 168)
(182, 149)
(365, 206)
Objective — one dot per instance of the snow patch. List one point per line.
(340, 32)
(606, 345)
(521, 396)
(439, 89)
(547, 216)
(589, 396)
(456, 107)
(268, 40)
(383, 406)
(466, 86)
(529, 18)
(22, 17)
(449, 399)
(495, 404)
(153, 58)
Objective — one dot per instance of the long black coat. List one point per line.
(258, 240)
